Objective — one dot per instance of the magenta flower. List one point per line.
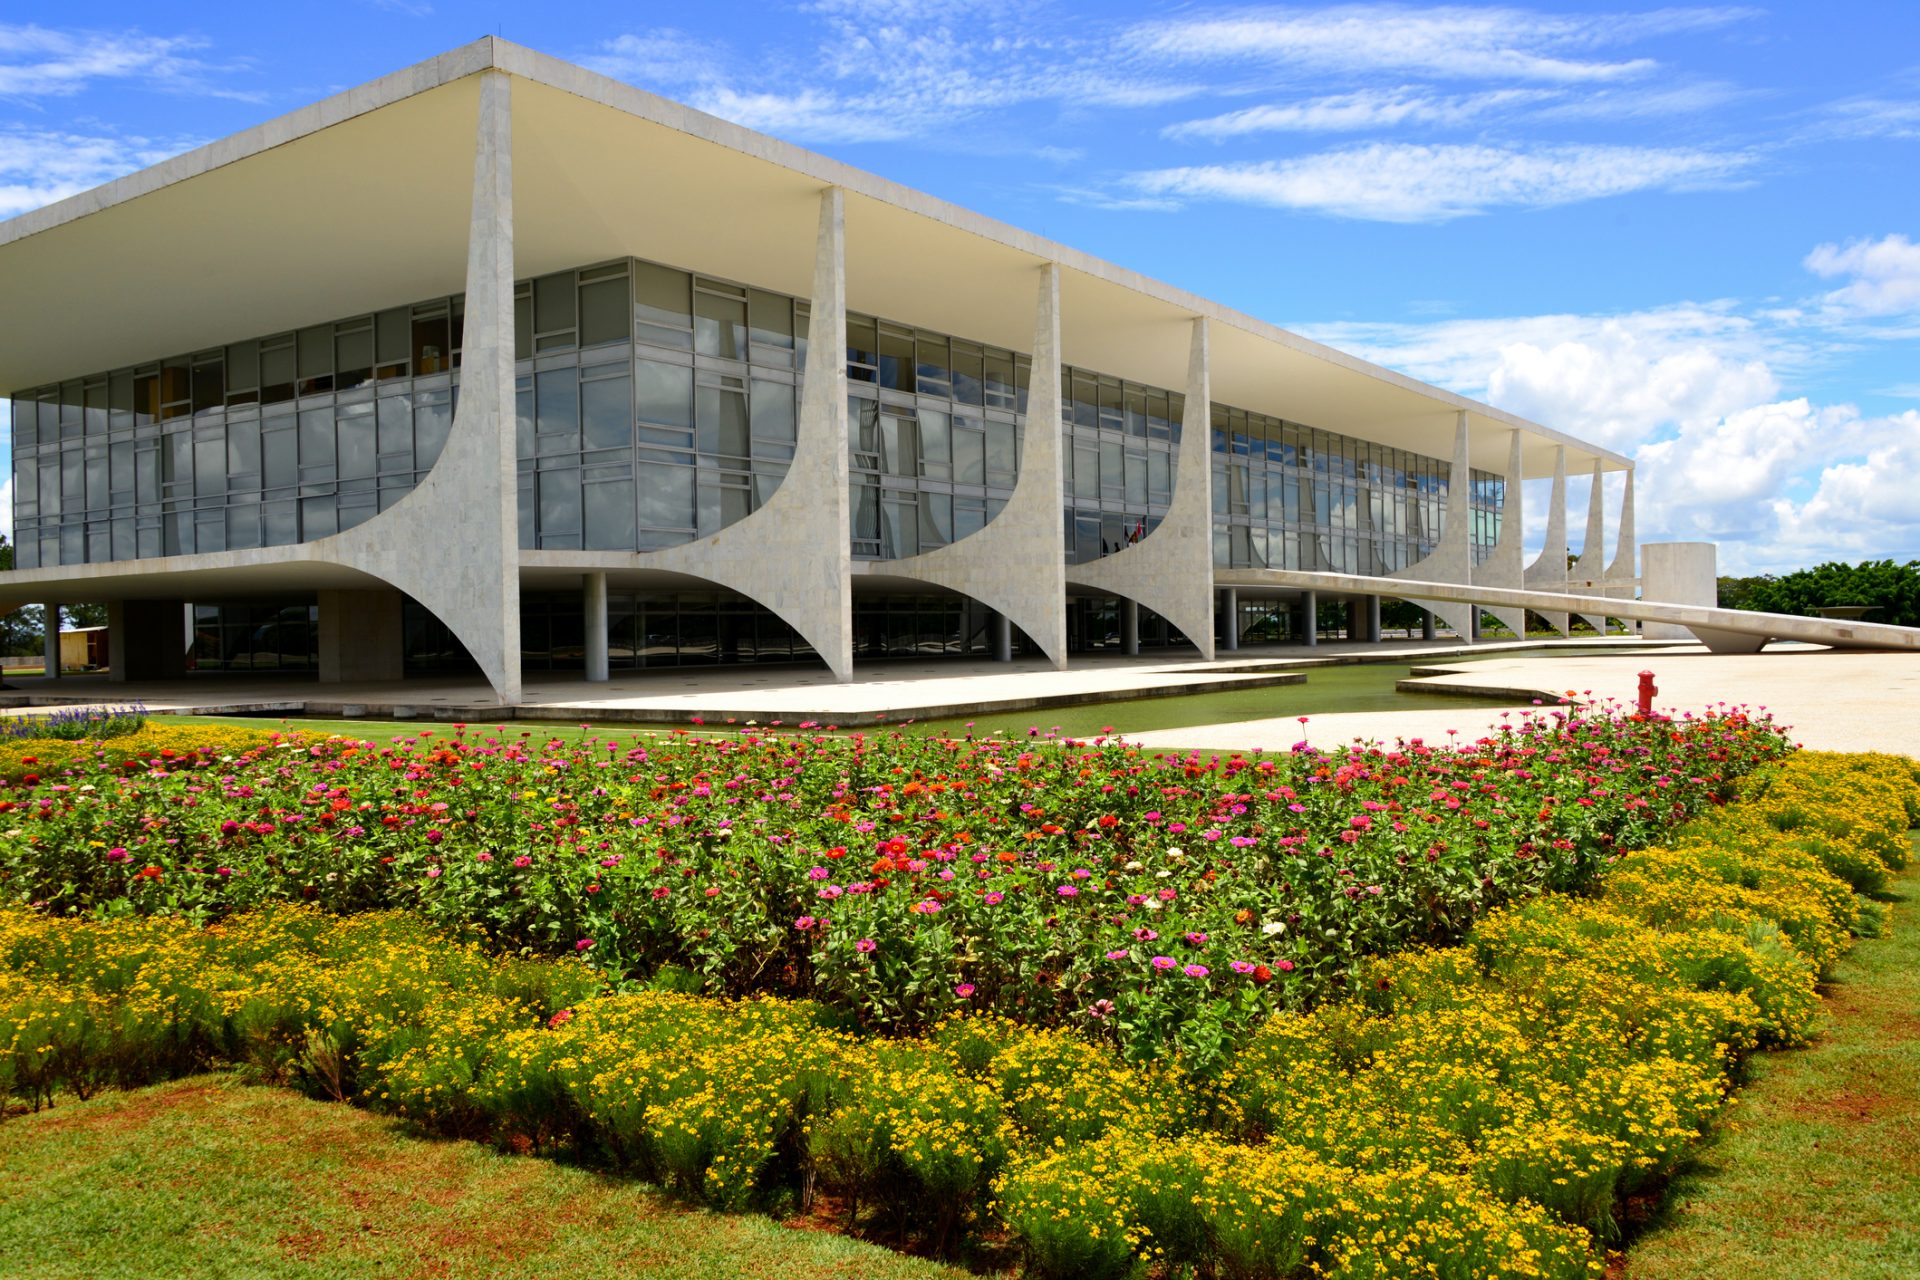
(1120, 954)
(1241, 967)
(585, 944)
(1195, 971)
(1163, 962)
(1067, 891)
(963, 990)
(805, 923)
(866, 945)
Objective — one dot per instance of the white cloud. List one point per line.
(40, 167)
(1869, 117)
(1446, 42)
(37, 62)
(1694, 393)
(665, 56)
(1401, 182)
(812, 114)
(1360, 110)
(886, 75)
(1884, 275)
(1862, 509)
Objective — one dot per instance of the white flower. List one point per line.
(1175, 854)
(1272, 927)
(1135, 866)
(1163, 873)
(1152, 904)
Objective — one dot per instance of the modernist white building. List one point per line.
(499, 361)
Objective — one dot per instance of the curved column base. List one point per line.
(1515, 620)
(1729, 642)
(1030, 602)
(1185, 600)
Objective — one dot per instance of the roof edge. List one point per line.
(455, 64)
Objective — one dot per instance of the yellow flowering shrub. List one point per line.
(170, 747)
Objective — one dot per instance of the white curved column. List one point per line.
(794, 555)
(1549, 571)
(1016, 566)
(1592, 565)
(453, 542)
(1621, 571)
(1505, 565)
(1171, 569)
(1452, 558)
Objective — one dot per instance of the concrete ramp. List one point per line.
(1721, 630)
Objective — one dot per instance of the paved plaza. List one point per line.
(1835, 700)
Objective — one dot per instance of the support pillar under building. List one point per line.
(1310, 618)
(594, 608)
(1230, 617)
(1002, 638)
(1130, 628)
(50, 639)
(1426, 624)
(1373, 619)
(362, 637)
(146, 640)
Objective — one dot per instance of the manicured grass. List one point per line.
(209, 1178)
(1818, 1174)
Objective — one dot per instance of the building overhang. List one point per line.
(361, 202)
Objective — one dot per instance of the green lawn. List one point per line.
(215, 1180)
(1818, 1175)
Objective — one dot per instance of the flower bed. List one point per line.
(1471, 1110)
(28, 761)
(1163, 902)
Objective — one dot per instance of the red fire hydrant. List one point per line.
(1647, 691)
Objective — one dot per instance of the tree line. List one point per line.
(1890, 589)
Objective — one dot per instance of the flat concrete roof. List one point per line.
(360, 202)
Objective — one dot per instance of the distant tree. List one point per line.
(1890, 588)
(1739, 593)
(75, 616)
(20, 629)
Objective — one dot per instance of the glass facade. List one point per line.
(703, 628)
(252, 636)
(656, 406)
(1117, 461)
(934, 426)
(1286, 496)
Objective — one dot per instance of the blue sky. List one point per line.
(1687, 232)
